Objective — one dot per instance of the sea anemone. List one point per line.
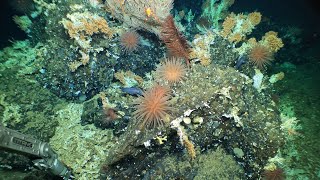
(129, 41)
(276, 174)
(153, 107)
(172, 70)
(260, 56)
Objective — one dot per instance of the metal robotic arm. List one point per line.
(13, 140)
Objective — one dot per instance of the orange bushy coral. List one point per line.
(228, 24)
(271, 40)
(235, 37)
(254, 18)
(85, 24)
(140, 14)
(236, 27)
(190, 147)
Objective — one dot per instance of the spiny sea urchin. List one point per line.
(153, 107)
(172, 70)
(276, 174)
(129, 41)
(260, 56)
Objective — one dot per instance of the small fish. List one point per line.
(133, 91)
(240, 61)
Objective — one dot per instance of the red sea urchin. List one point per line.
(172, 70)
(153, 107)
(129, 41)
(260, 56)
(276, 174)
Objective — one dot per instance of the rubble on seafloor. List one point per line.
(225, 111)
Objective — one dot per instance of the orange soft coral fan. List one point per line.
(177, 45)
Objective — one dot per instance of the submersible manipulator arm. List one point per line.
(21, 143)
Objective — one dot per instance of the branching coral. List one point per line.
(177, 45)
(80, 27)
(254, 18)
(261, 52)
(200, 50)
(213, 11)
(190, 147)
(236, 27)
(141, 14)
(227, 25)
(23, 22)
(183, 137)
(271, 40)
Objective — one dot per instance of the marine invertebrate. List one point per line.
(237, 26)
(98, 140)
(140, 14)
(176, 44)
(183, 137)
(111, 113)
(227, 25)
(260, 56)
(108, 110)
(213, 11)
(271, 40)
(171, 70)
(80, 27)
(200, 50)
(235, 37)
(95, 3)
(190, 147)
(128, 78)
(129, 41)
(276, 77)
(275, 174)
(153, 108)
(254, 18)
(85, 24)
